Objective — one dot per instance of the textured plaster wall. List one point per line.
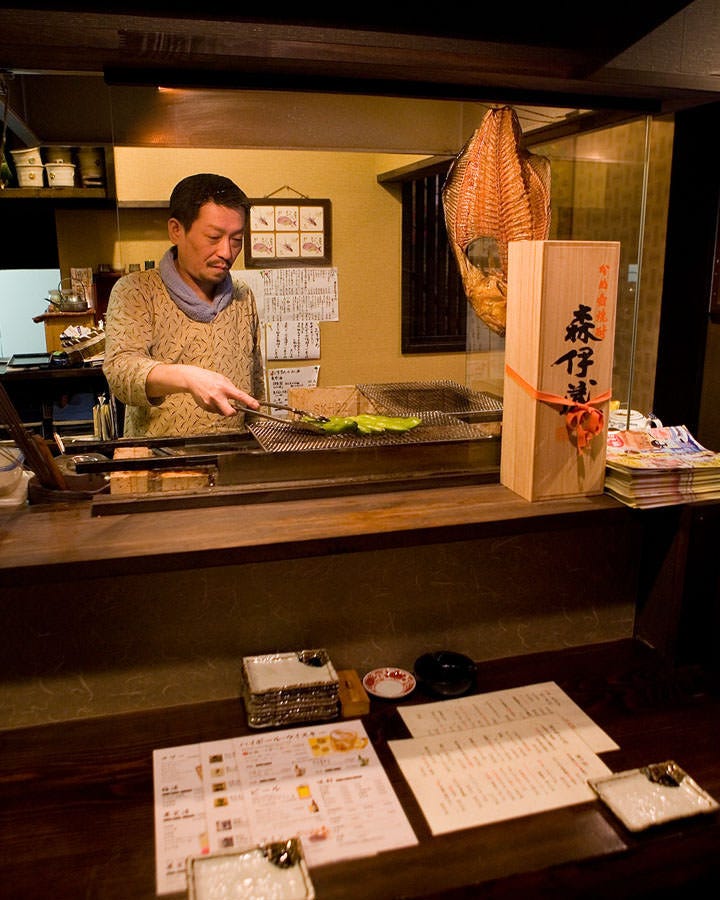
(107, 645)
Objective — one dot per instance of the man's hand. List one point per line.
(210, 390)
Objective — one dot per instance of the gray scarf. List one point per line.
(186, 299)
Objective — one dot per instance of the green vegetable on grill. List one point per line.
(334, 424)
(369, 424)
(365, 424)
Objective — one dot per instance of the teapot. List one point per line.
(67, 299)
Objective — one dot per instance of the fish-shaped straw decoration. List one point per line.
(495, 192)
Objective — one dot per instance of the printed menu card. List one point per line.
(321, 783)
(495, 756)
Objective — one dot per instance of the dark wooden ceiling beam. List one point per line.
(555, 58)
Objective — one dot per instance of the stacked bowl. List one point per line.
(29, 167)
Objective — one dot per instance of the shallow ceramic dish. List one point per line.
(445, 673)
(283, 688)
(389, 683)
(652, 795)
(276, 869)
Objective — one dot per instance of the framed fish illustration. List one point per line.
(282, 232)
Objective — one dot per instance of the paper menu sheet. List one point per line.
(499, 755)
(291, 340)
(463, 779)
(323, 783)
(302, 293)
(279, 381)
(501, 707)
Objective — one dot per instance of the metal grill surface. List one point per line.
(436, 427)
(419, 397)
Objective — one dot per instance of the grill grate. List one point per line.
(418, 398)
(436, 427)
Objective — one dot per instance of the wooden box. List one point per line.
(559, 342)
(337, 400)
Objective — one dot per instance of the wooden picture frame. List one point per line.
(287, 232)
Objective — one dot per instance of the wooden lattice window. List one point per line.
(434, 308)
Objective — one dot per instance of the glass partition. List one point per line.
(607, 184)
(613, 184)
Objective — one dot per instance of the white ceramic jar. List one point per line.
(30, 176)
(29, 157)
(60, 174)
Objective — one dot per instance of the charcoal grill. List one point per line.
(417, 398)
(455, 444)
(436, 427)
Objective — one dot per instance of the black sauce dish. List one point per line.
(445, 673)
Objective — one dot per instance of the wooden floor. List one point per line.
(76, 799)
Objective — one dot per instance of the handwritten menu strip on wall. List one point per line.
(284, 295)
(292, 340)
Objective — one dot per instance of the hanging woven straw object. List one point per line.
(495, 192)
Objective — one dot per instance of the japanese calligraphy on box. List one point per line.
(559, 353)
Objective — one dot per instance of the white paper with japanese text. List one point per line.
(291, 340)
(500, 707)
(322, 783)
(280, 380)
(463, 779)
(308, 293)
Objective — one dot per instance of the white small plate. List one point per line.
(389, 683)
(652, 795)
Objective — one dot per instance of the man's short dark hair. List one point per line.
(195, 191)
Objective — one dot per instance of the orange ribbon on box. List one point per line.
(582, 419)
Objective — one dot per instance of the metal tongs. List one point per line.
(297, 412)
(293, 424)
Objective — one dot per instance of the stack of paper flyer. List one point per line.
(660, 467)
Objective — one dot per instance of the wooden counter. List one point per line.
(43, 542)
(131, 611)
(76, 799)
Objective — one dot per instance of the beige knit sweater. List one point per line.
(144, 327)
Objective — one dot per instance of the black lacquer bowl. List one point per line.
(445, 673)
